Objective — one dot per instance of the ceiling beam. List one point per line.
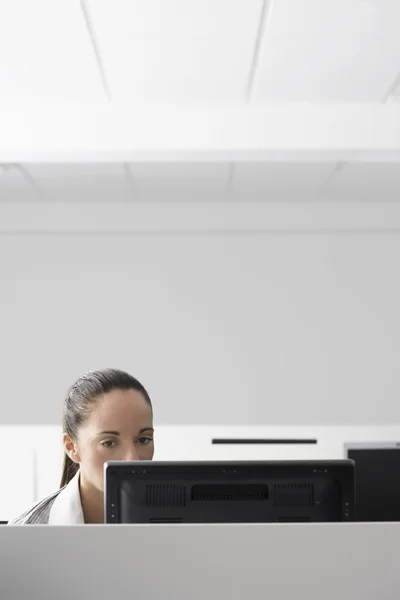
(273, 132)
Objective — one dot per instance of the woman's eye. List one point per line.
(108, 444)
(145, 440)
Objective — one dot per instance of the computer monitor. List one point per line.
(377, 476)
(229, 492)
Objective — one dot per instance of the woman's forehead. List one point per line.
(120, 406)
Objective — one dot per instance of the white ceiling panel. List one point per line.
(279, 181)
(176, 50)
(15, 186)
(329, 51)
(84, 182)
(373, 182)
(46, 53)
(179, 181)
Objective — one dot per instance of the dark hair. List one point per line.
(80, 397)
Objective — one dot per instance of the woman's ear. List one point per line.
(71, 448)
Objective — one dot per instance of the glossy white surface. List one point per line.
(230, 562)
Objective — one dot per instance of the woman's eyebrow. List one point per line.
(117, 432)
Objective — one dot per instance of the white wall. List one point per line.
(268, 326)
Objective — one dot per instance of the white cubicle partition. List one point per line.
(31, 456)
(18, 472)
(352, 561)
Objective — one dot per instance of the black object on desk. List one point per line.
(377, 477)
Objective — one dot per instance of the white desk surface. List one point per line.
(354, 561)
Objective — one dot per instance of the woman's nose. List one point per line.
(131, 454)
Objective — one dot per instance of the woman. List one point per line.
(107, 416)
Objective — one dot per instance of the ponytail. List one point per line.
(70, 468)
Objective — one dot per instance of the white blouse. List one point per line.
(64, 507)
(67, 507)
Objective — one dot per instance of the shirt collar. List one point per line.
(67, 507)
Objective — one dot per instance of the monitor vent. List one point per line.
(294, 519)
(294, 494)
(229, 492)
(165, 495)
(163, 520)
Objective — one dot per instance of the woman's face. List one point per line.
(120, 427)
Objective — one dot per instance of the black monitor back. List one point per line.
(229, 492)
(377, 482)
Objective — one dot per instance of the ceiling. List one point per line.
(191, 182)
(213, 51)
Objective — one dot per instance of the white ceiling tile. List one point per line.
(14, 186)
(46, 54)
(179, 181)
(366, 181)
(329, 51)
(276, 181)
(84, 182)
(180, 50)
(187, 18)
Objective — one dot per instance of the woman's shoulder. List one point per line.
(38, 514)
